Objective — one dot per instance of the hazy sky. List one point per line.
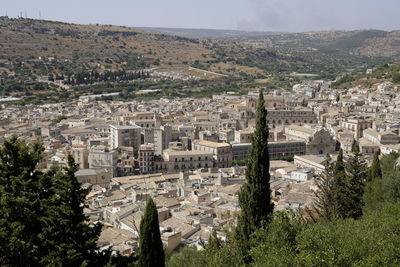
(269, 15)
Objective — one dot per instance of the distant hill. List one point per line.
(374, 43)
(208, 33)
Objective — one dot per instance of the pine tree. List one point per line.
(255, 194)
(325, 204)
(20, 202)
(375, 171)
(341, 186)
(374, 188)
(357, 174)
(355, 146)
(213, 242)
(41, 213)
(151, 253)
(67, 238)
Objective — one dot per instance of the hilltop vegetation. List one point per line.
(368, 80)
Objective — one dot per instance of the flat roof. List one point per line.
(211, 144)
(187, 152)
(127, 127)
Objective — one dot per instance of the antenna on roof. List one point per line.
(40, 14)
(26, 14)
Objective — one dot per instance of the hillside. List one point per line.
(373, 78)
(54, 61)
(27, 39)
(374, 43)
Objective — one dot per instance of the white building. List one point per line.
(127, 136)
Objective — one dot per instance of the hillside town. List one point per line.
(189, 154)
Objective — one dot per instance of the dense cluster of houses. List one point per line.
(185, 153)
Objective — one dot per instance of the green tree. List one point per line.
(375, 171)
(255, 194)
(151, 252)
(341, 187)
(187, 257)
(373, 240)
(355, 146)
(41, 213)
(357, 175)
(67, 239)
(213, 241)
(276, 246)
(325, 203)
(374, 194)
(20, 202)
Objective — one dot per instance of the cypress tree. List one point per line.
(255, 193)
(151, 252)
(357, 173)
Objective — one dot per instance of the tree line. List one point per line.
(90, 77)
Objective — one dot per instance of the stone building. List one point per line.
(318, 140)
(146, 158)
(222, 152)
(80, 153)
(275, 149)
(383, 138)
(101, 157)
(357, 125)
(127, 136)
(286, 117)
(244, 136)
(179, 160)
(96, 176)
